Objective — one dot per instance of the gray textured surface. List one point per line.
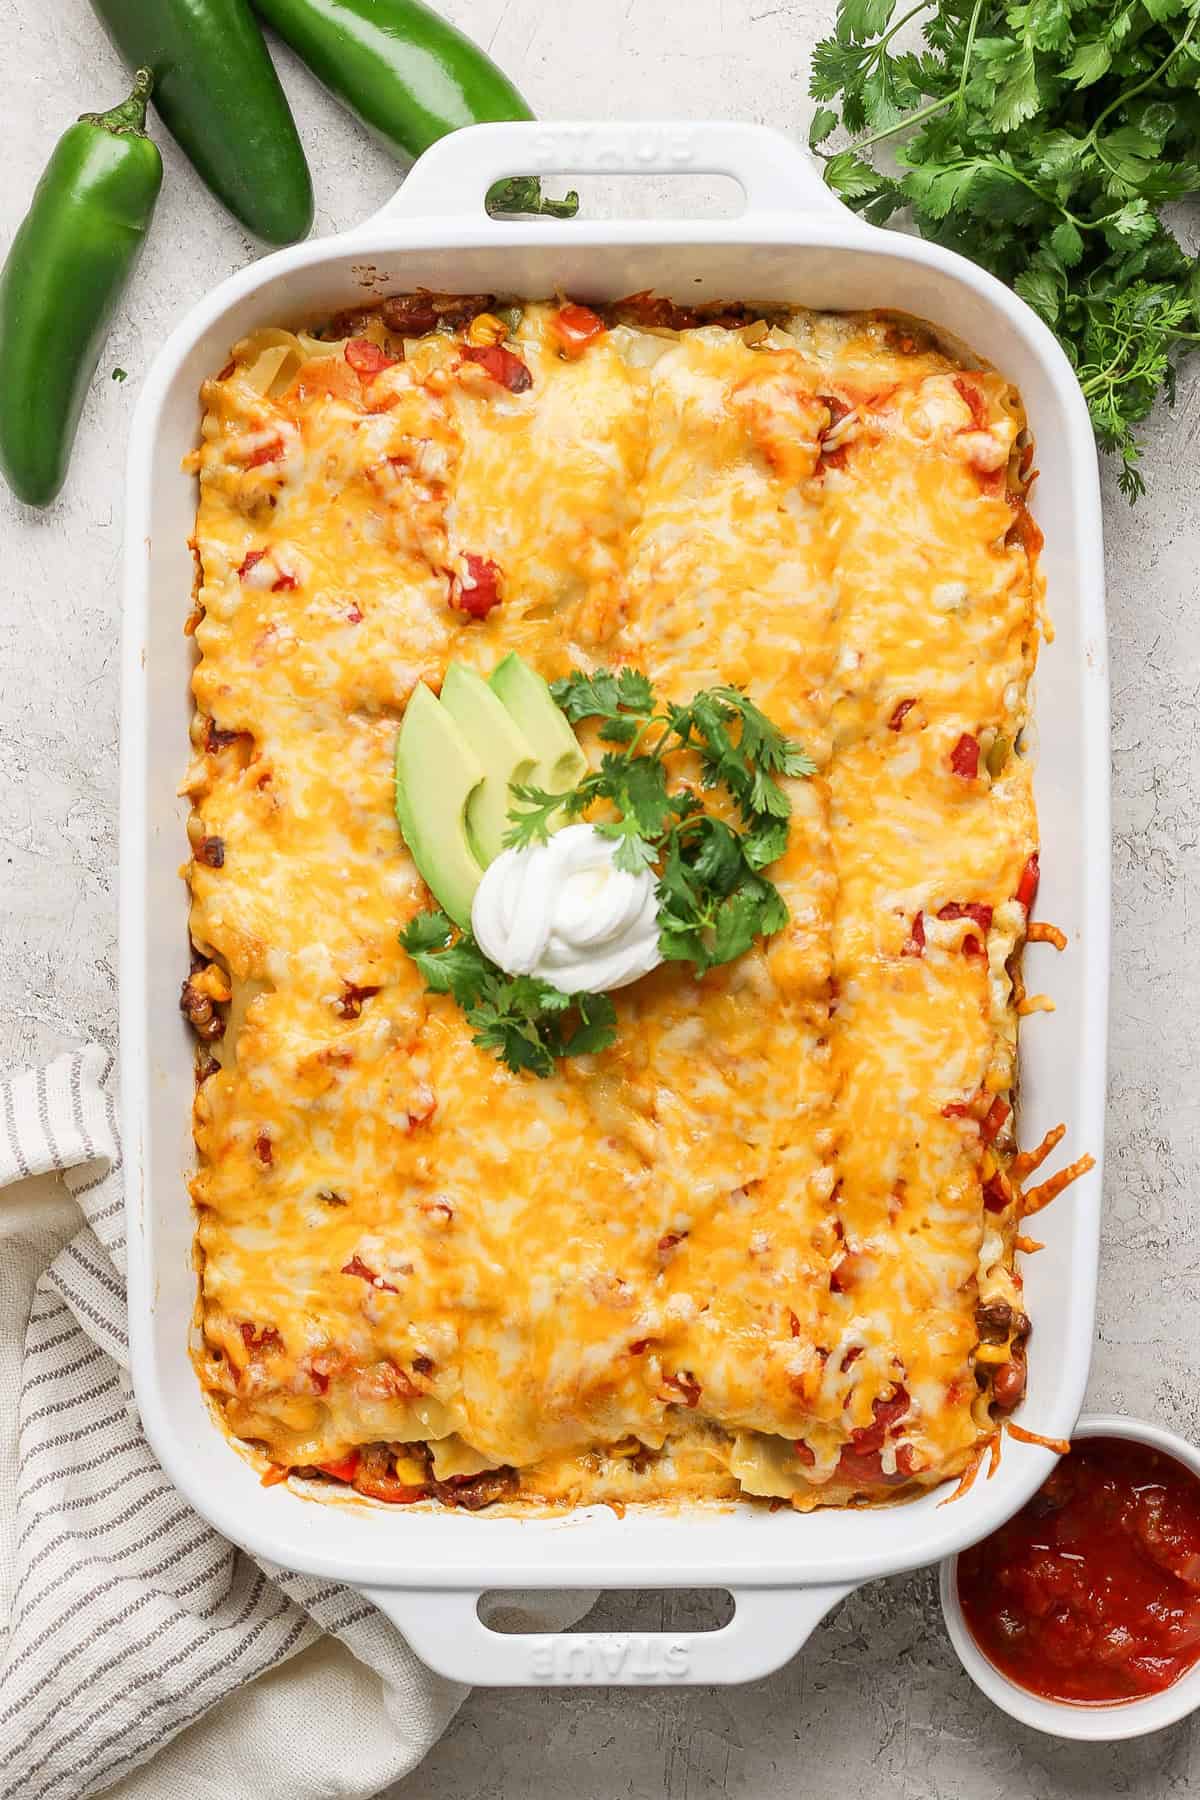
(876, 1703)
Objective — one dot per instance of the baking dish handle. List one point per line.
(452, 178)
(767, 1628)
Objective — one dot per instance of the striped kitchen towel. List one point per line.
(129, 1620)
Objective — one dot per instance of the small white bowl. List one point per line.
(1102, 1722)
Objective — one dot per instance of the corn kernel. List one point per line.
(486, 328)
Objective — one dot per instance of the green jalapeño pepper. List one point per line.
(65, 273)
(410, 76)
(216, 91)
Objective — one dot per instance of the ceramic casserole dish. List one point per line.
(793, 242)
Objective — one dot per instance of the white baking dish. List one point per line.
(796, 243)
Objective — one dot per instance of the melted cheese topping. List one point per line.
(742, 1250)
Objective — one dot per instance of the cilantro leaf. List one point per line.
(515, 1040)
(1066, 241)
(854, 179)
(595, 1027)
(635, 693)
(606, 695)
(715, 856)
(1017, 96)
(459, 969)
(861, 19)
(426, 931)
(531, 814)
(1091, 60)
(638, 784)
(755, 909)
(765, 843)
(823, 123)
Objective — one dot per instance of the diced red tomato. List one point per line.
(251, 558)
(864, 1467)
(649, 308)
(367, 359)
(845, 1274)
(838, 410)
(996, 1193)
(284, 583)
(345, 1470)
(993, 1119)
(356, 1266)
(264, 1338)
(1027, 887)
(686, 1386)
(576, 327)
(908, 1460)
(964, 758)
(884, 1414)
(982, 915)
(478, 591)
(861, 1459)
(975, 400)
(1024, 530)
(502, 365)
(268, 452)
(915, 946)
(956, 1109)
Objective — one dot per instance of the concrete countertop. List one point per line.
(876, 1703)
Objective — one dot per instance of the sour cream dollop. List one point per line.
(563, 912)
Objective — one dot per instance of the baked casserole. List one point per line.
(763, 1243)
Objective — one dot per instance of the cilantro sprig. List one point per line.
(1041, 139)
(713, 899)
(529, 1024)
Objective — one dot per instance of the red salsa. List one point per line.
(1092, 1593)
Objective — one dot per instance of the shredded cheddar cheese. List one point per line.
(743, 1250)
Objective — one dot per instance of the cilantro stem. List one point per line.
(887, 131)
(899, 25)
(635, 742)
(968, 53)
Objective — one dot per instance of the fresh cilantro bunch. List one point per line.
(1042, 140)
(529, 1024)
(713, 899)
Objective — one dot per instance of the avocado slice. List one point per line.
(560, 762)
(437, 774)
(504, 752)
